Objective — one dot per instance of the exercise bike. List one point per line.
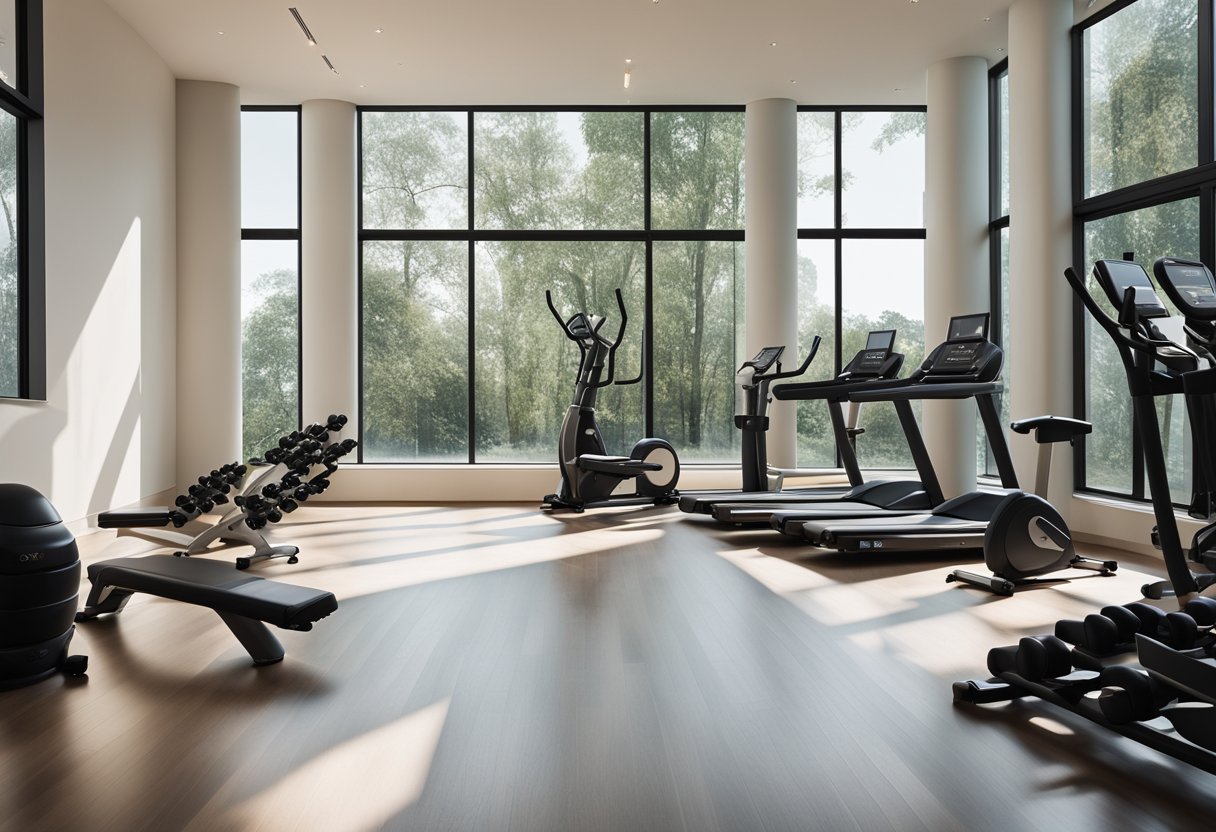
(1026, 536)
(590, 477)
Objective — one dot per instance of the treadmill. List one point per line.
(966, 366)
(866, 498)
(875, 361)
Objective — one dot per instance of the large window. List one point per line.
(22, 289)
(1144, 187)
(469, 216)
(861, 181)
(270, 274)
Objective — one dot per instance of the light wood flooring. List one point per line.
(498, 668)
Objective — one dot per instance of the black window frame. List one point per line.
(1198, 181)
(26, 103)
(647, 235)
(289, 234)
(998, 221)
(838, 233)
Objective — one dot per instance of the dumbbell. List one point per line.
(1131, 695)
(1033, 658)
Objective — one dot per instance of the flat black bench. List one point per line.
(134, 518)
(242, 600)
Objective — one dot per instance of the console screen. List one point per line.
(1192, 283)
(967, 327)
(1117, 276)
(883, 339)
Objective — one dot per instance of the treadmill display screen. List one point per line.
(877, 350)
(968, 327)
(882, 339)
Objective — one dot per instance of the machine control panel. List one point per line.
(877, 350)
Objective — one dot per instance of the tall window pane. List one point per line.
(883, 288)
(883, 159)
(816, 316)
(415, 170)
(1141, 111)
(1002, 97)
(545, 170)
(415, 348)
(987, 465)
(8, 43)
(816, 170)
(270, 340)
(1173, 229)
(270, 169)
(526, 366)
(698, 319)
(696, 169)
(10, 310)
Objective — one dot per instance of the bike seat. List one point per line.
(620, 465)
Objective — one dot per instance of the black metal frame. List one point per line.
(838, 233)
(998, 221)
(1199, 181)
(290, 234)
(25, 103)
(647, 235)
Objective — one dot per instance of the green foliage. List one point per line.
(270, 370)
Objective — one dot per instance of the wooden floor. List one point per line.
(495, 668)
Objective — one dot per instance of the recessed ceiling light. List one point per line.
(220, 32)
(897, 89)
(792, 81)
(986, 19)
(362, 86)
(303, 26)
(772, 43)
(379, 31)
(629, 60)
(1000, 49)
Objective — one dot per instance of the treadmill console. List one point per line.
(873, 357)
(1190, 285)
(967, 353)
(1117, 276)
(764, 359)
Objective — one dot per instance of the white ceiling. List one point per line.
(465, 52)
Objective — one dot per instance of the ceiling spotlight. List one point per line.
(792, 81)
(1000, 49)
(772, 43)
(220, 32)
(303, 26)
(986, 19)
(379, 31)
(329, 64)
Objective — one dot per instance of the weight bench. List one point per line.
(246, 603)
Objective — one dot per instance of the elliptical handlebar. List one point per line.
(810, 356)
(1141, 343)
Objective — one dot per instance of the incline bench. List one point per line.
(243, 601)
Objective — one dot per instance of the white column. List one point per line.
(771, 296)
(329, 270)
(208, 276)
(1040, 228)
(956, 244)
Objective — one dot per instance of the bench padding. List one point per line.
(215, 584)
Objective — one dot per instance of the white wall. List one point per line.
(105, 435)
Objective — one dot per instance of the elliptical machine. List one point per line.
(589, 475)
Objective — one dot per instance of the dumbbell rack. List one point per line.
(262, 492)
(1168, 703)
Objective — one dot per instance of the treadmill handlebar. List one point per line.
(927, 390)
(832, 389)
